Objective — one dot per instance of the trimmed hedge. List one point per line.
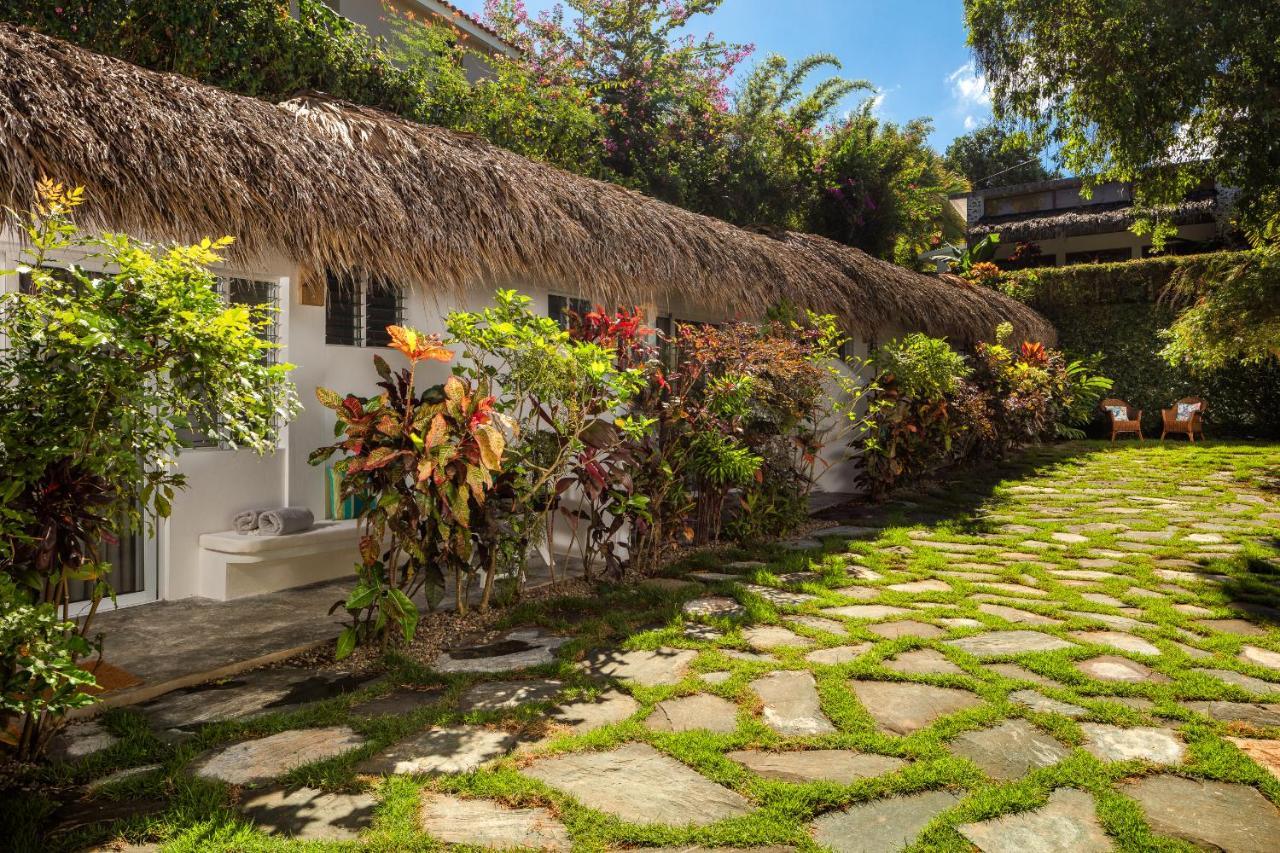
(1115, 309)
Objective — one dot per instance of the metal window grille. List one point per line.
(357, 313)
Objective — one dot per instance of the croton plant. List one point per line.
(421, 464)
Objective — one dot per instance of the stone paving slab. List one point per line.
(1046, 704)
(790, 703)
(998, 643)
(715, 607)
(650, 668)
(1116, 743)
(837, 654)
(817, 765)
(1244, 682)
(611, 706)
(1068, 823)
(1265, 752)
(80, 740)
(246, 696)
(454, 749)
(690, 713)
(1227, 816)
(906, 628)
(1010, 750)
(881, 826)
(817, 623)
(866, 611)
(769, 637)
(1115, 668)
(252, 762)
(1259, 715)
(397, 703)
(504, 695)
(923, 662)
(309, 814)
(1117, 640)
(1016, 615)
(901, 707)
(1261, 657)
(485, 823)
(517, 649)
(638, 784)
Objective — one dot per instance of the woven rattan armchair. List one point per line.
(1192, 410)
(1131, 422)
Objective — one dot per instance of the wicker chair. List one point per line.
(1190, 424)
(1130, 423)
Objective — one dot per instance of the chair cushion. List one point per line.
(1118, 413)
(1186, 410)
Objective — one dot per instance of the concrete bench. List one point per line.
(233, 565)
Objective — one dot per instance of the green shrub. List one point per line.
(1116, 310)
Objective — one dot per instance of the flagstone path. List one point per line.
(1011, 675)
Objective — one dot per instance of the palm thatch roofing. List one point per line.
(348, 189)
(1092, 219)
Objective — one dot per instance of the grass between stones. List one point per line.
(1003, 521)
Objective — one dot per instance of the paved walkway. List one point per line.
(1083, 655)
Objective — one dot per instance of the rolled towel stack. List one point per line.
(285, 520)
(247, 521)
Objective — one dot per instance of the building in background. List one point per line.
(1051, 223)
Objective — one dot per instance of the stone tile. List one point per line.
(1245, 682)
(1266, 753)
(1240, 627)
(1081, 574)
(1117, 640)
(1261, 657)
(849, 531)
(1192, 610)
(1020, 673)
(309, 814)
(960, 622)
(859, 593)
(713, 577)
(1116, 668)
(837, 654)
(1141, 592)
(1067, 824)
(768, 637)
(923, 662)
(791, 705)
(484, 823)
(920, 586)
(1227, 816)
(996, 643)
(798, 578)
(1010, 750)
(1016, 615)
(650, 668)
(516, 650)
(609, 707)
(668, 584)
(881, 826)
(817, 623)
(397, 703)
(252, 762)
(1017, 589)
(1115, 743)
(1150, 535)
(80, 740)
(1046, 704)
(638, 784)
(715, 607)
(780, 597)
(1097, 563)
(1068, 537)
(690, 713)
(716, 677)
(121, 776)
(1123, 623)
(245, 696)
(502, 695)
(1259, 715)
(974, 577)
(865, 611)
(904, 707)
(906, 628)
(804, 544)
(698, 631)
(826, 765)
(457, 749)
(1102, 598)
(745, 566)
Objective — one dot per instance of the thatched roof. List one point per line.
(344, 188)
(1092, 219)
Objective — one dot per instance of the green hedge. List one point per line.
(1115, 309)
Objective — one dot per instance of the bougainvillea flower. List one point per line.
(417, 346)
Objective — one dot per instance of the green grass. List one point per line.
(986, 509)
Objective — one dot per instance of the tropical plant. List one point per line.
(1229, 312)
(990, 156)
(101, 378)
(40, 679)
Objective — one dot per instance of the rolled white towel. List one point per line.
(247, 521)
(285, 520)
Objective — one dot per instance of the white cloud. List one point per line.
(970, 122)
(877, 102)
(969, 87)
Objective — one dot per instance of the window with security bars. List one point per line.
(357, 313)
(559, 308)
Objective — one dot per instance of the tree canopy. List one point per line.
(1160, 94)
(991, 156)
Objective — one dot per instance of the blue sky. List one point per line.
(912, 50)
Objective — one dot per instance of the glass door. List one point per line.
(134, 569)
